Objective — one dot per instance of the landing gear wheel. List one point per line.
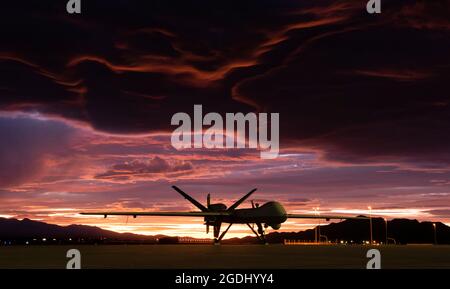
(260, 233)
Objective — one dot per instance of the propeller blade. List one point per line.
(253, 204)
(235, 205)
(190, 199)
(208, 200)
(207, 229)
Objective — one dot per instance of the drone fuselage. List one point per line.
(271, 214)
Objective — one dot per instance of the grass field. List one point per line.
(225, 256)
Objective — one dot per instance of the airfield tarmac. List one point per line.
(225, 256)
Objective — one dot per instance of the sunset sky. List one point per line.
(86, 103)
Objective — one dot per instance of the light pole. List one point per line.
(370, 220)
(318, 213)
(315, 230)
(386, 222)
(434, 228)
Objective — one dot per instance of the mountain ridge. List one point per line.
(401, 231)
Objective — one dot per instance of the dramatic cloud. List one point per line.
(139, 168)
(128, 67)
(27, 148)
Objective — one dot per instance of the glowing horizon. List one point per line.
(85, 120)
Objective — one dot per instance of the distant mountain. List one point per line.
(403, 231)
(14, 229)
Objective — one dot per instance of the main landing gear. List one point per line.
(260, 233)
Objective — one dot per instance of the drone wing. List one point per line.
(327, 217)
(167, 214)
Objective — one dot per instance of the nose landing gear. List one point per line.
(218, 238)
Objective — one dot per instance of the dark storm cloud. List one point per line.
(359, 87)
